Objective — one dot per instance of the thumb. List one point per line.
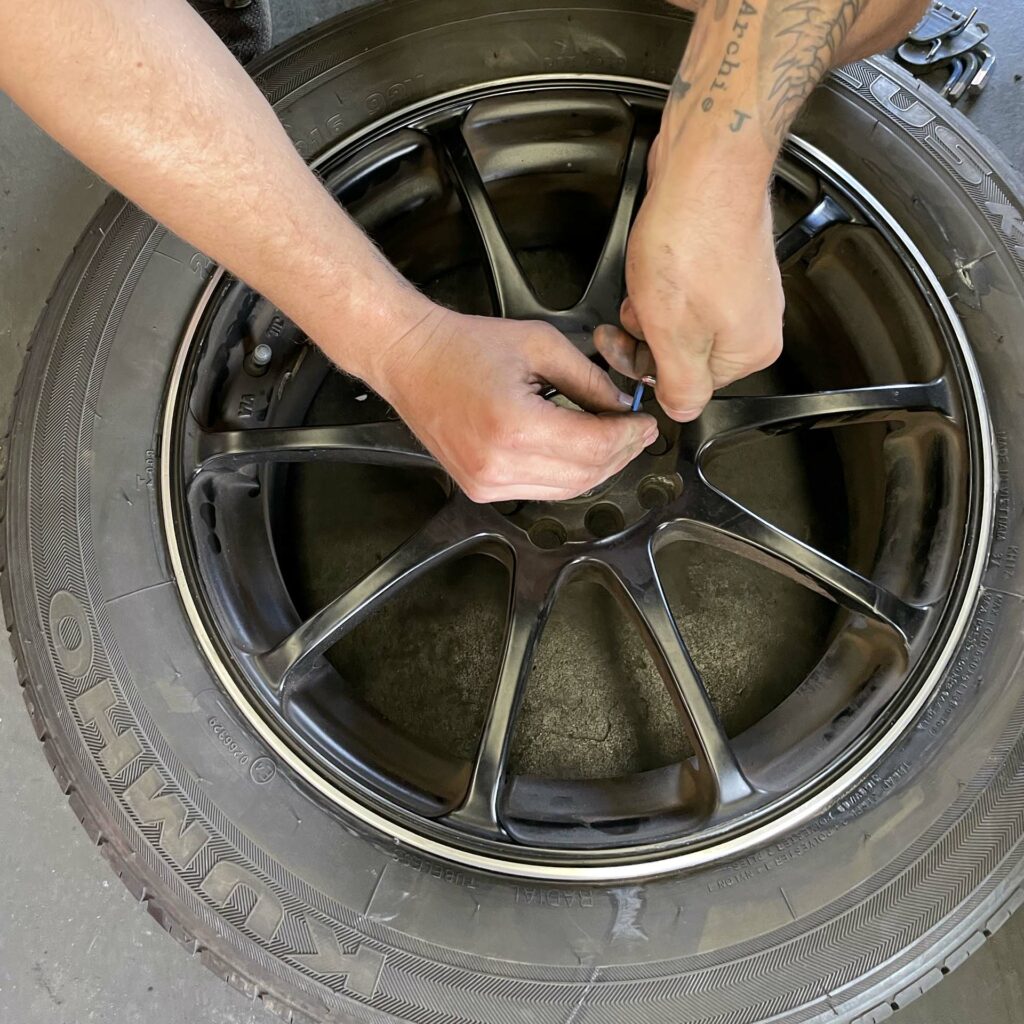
(583, 382)
(685, 383)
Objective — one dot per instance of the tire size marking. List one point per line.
(963, 677)
(1007, 562)
(395, 95)
(1004, 502)
(310, 141)
(570, 54)
(860, 800)
(1004, 557)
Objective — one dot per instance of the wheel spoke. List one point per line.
(389, 443)
(512, 293)
(600, 301)
(640, 587)
(825, 215)
(776, 414)
(451, 533)
(723, 522)
(529, 608)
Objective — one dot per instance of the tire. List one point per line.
(847, 919)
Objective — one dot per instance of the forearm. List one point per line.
(751, 66)
(145, 95)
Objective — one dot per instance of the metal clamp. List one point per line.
(947, 38)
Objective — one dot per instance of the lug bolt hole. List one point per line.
(548, 534)
(656, 492)
(659, 446)
(605, 520)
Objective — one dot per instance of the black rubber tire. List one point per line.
(853, 916)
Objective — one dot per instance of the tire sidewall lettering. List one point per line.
(71, 634)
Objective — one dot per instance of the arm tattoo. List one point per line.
(733, 57)
(680, 86)
(800, 41)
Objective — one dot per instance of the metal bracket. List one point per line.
(947, 38)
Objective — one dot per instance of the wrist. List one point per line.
(715, 105)
(726, 149)
(369, 324)
(710, 166)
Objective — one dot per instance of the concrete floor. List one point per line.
(74, 947)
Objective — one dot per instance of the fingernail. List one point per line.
(684, 415)
(651, 436)
(626, 400)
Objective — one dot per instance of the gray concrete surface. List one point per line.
(74, 946)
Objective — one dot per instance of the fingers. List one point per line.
(543, 478)
(623, 352)
(546, 452)
(630, 319)
(685, 381)
(594, 441)
(693, 362)
(575, 376)
(704, 294)
(507, 442)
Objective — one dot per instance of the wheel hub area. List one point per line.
(624, 502)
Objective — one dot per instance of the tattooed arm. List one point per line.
(704, 288)
(802, 39)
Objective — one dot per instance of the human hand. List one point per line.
(470, 389)
(704, 288)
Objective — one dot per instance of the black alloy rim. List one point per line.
(458, 172)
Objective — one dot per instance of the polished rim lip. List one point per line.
(733, 847)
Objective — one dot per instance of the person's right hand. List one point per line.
(470, 389)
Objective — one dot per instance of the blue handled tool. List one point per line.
(641, 386)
